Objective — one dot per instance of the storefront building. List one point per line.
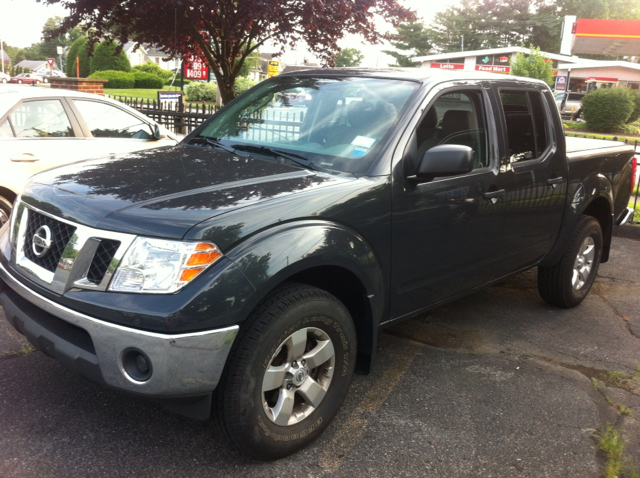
(573, 71)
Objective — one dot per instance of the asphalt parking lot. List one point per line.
(498, 384)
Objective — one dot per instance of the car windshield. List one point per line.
(333, 123)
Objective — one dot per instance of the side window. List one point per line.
(454, 118)
(41, 119)
(525, 117)
(107, 121)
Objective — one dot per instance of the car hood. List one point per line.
(164, 192)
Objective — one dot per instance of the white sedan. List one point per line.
(44, 128)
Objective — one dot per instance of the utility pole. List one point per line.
(463, 42)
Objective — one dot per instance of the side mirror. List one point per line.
(443, 160)
(157, 134)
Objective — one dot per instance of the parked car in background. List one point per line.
(28, 78)
(53, 73)
(569, 102)
(4, 77)
(41, 129)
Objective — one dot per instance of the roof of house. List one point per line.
(129, 46)
(32, 64)
(5, 57)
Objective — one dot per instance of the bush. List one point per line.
(243, 84)
(151, 67)
(635, 114)
(606, 110)
(78, 49)
(105, 58)
(117, 79)
(147, 80)
(197, 91)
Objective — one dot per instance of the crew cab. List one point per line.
(245, 273)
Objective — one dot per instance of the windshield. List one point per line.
(333, 123)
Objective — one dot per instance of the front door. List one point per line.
(447, 233)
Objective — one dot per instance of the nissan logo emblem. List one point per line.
(42, 240)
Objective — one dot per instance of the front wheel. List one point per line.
(288, 373)
(568, 282)
(19, 82)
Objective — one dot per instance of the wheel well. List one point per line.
(601, 211)
(8, 194)
(346, 286)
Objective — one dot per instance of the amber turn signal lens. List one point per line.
(203, 258)
(204, 246)
(188, 274)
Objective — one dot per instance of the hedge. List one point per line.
(197, 91)
(117, 79)
(606, 110)
(151, 67)
(147, 80)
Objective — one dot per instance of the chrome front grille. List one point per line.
(60, 233)
(101, 260)
(65, 255)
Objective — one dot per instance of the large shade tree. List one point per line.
(225, 33)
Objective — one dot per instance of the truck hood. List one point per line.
(164, 192)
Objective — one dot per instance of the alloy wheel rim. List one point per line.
(298, 376)
(583, 264)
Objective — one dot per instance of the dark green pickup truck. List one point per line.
(246, 272)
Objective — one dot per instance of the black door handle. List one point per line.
(494, 194)
(553, 181)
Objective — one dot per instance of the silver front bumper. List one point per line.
(182, 365)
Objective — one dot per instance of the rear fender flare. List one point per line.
(593, 196)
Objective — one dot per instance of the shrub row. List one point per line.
(608, 110)
(124, 80)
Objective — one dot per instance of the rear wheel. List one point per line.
(568, 282)
(288, 373)
(5, 210)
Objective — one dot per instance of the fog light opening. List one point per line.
(137, 365)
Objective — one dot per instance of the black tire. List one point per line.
(568, 282)
(19, 82)
(292, 316)
(5, 210)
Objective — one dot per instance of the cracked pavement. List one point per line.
(498, 384)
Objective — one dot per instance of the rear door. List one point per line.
(534, 171)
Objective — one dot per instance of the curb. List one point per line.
(627, 231)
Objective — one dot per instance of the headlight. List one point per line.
(160, 266)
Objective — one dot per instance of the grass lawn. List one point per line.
(138, 92)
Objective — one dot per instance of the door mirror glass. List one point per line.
(445, 160)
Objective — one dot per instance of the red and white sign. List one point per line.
(195, 68)
(494, 68)
(601, 78)
(51, 61)
(448, 66)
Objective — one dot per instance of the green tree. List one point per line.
(534, 65)
(78, 50)
(348, 57)
(412, 37)
(108, 56)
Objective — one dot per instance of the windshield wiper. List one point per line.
(276, 153)
(213, 142)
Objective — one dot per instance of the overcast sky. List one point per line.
(21, 24)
